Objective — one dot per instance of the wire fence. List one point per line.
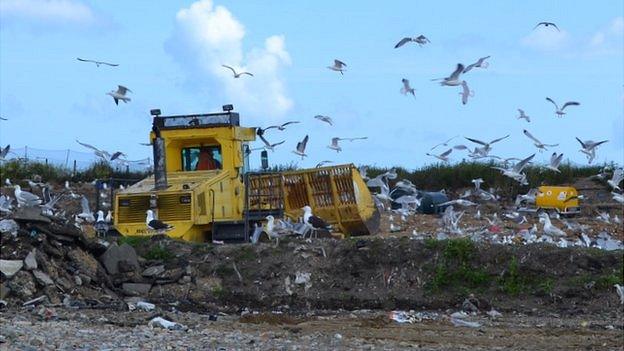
(75, 160)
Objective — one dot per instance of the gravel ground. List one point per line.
(360, 330)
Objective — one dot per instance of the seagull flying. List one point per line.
(559, 111)
(268, 145)
(546, 24)
(444, 143)
(466, 92)
(120, 94)
(481, 63)
(486, 146)
(322, 163)
(618, 176)
(338, 66)
(98, 63)
(589, 148)
(555, 160)
(407, 89)
(154, 224)
(515, 172)
(281, 126)
(523, 115)
(325, 119)
(334, 142)
(103, 154)
(237, 74)
(443, 156)
(541, 146)
(420, 40)
(300, 150)
(453, 79)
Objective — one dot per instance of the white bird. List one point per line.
(589, 148)
(555, 160)
(515, 172)
(618, 176)
(453, 79)
(481, 63)
(325, 119)
(618, 197)
(98, 63)
(155, 224)
(443, 156)
(86, 213)
(420, 40)
(407, 89)
(528, 198)
(466, 92)
(268, 145)
(282, 126)
(444, 143)
(538, 144)
(300, 150)
(334, 142)
(313, 222)
(559, 111)
(549, 228)
(322, 163)
(237, 74)
(26, 199)
(523, 115)
(619, 289)
(120, 94)
(269, 228)
(487, 147)
(338, 66)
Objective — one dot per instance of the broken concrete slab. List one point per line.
(153, 271)
(30, 262)
(42, 278)
(136, 289)
(30, 214)
(85, 263)
(114, 254)
(23, 285)
(10, 267)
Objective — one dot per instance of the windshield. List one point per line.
(201, 158)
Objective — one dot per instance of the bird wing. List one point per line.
(554, 25)
(582, 143)
(553, 102)
(526, 132)
(618, 175)
(406, 84)
(476, 141)
(592, 146)
(266, 142)
(320, 164)
(521, 112)
(520, 165)
(84, 202)
(247, 73)
(460, 147)
(83, 60)
(302, 144)
(465, 92)
(555, 160)
(457, 72)
(446, 153)
(421, 37)
(570, 103)
(290, 122)
(232, 69)
(334, 142)
(499, 139)
(116, 155)
(339, 63)
(280, 143)
(402, 42)
(88, 146)
(110, 64)
(480, 61)
(122, 90)
(469, 67)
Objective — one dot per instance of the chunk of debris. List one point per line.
(163, 323)
(42, 278)
(9, 226)
(458, 322)
(136, 289)
(30, 262)
(145, 306)
(153, 271)
(115, 253)
(10, 267)
(494, 313)
(303, 278)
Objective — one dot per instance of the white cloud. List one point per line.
(546, 39)
(208, 36)
(48, 11)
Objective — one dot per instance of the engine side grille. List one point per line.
(170, 208)
(131, 209)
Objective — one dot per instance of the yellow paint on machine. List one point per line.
(563, 199)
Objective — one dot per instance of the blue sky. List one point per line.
(170, 54)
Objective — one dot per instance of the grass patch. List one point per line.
(134, 241)
(28, 169)
(159, 253)
(512, 283)
(245, 253)
(455, 270)
(220, 292)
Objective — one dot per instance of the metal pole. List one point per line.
(74, 174)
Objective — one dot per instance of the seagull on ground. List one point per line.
(237, 74)
(313, 222)
(325, 119)
(420, 40)
(487, 147)
(549, 228)
(618, 176)
(528, 198)
(523, 115)
(515, 172)
(538, 144)
(300, 150)
(555, 160)
(322, 163)
(98, 63)
(466, 92)
(334, 142)
(481, 63)
(559, 111)
(407, 89)
(546, 24)
(338, 66)
(453, 79)
(25, 198)
(86, 213)
(155, 224)
(120, 94)
(443, 156)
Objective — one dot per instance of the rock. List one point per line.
(170, 276)
(4, 290)
(23, 285)
(30, 214)
(52, 294)
(78, 280)
(125, 266)
(10, 267)
(110, 259)
(42, 278)
(30, 262)
(9, 226)
(84, 262)
(153, 271)
(136, 289)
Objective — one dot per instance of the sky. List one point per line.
(170, 55)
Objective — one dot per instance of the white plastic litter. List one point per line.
(163, 323)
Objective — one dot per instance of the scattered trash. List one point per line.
(411, 316)
(494, 313)
(458, 322)
(303, 278)
(163, 323)
(35, 301)
(145, 306)
(620, 291)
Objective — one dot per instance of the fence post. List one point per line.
(127, 169)
(67, 159)
(46, 161)
(74, 173)
(26, 152)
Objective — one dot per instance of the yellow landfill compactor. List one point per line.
(203, 188)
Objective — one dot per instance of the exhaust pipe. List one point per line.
(158, 148)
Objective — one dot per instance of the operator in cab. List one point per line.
(206, 160)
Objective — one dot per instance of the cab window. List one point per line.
(201, 158)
